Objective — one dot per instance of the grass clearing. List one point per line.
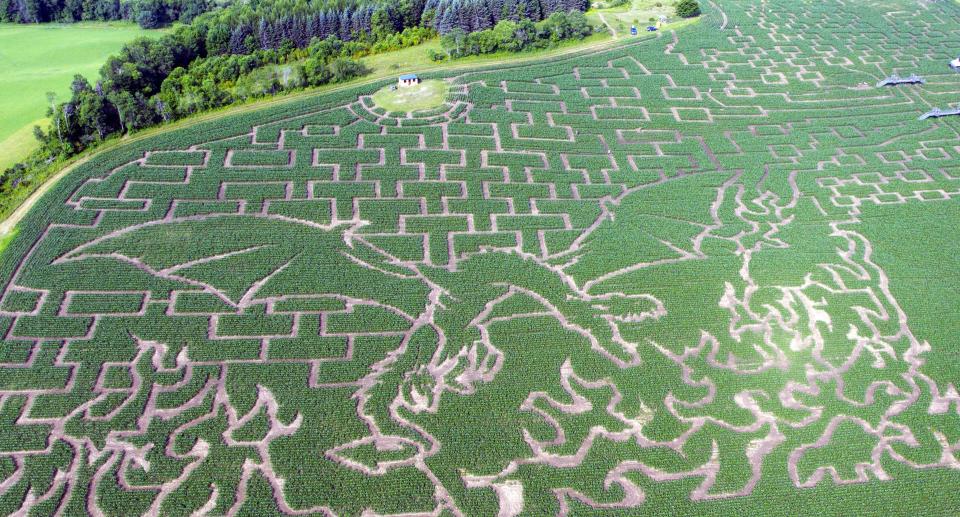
(35, 59)
(640, 13)
(19, 143)
(414, 58)
(428, 94)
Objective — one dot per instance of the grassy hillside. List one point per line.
(35, 59)
(702, 273)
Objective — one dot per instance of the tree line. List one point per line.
(148, 13)
(476, 15)
(154, 81)
(208, 63)
(260, 48)
(299, 20)
(514, 36)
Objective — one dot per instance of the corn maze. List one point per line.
(711, 271)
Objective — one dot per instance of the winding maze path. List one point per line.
(644, 278)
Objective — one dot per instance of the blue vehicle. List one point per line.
(651, 28)
(633, 30)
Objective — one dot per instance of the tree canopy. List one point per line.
(688, 8)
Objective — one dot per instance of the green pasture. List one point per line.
(36, 59)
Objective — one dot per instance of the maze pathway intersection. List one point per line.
(632, 279)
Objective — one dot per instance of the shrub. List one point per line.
(688, 8)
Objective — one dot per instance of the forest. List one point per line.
(298, 19)
(148, 13)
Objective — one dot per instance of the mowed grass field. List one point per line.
(706, 272)
(640, 13)
(35, 59)
(427, 94)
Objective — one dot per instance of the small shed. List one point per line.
(408, 80)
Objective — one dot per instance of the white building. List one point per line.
(408, 80)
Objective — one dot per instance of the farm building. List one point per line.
(408, 80)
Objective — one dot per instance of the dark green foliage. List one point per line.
(148, 13)
(238, 52)
(688, 8)
(510, 36)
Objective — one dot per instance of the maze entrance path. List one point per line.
(701, 273)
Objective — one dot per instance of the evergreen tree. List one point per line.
(484, 15)
(314, 26)
(462, 17)
(533, 11)
(444, 22)
(30, 11)
(238, 37)
(495, 8)
(510, 10)
(331, 25)
(263, 34)
(343, 27)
